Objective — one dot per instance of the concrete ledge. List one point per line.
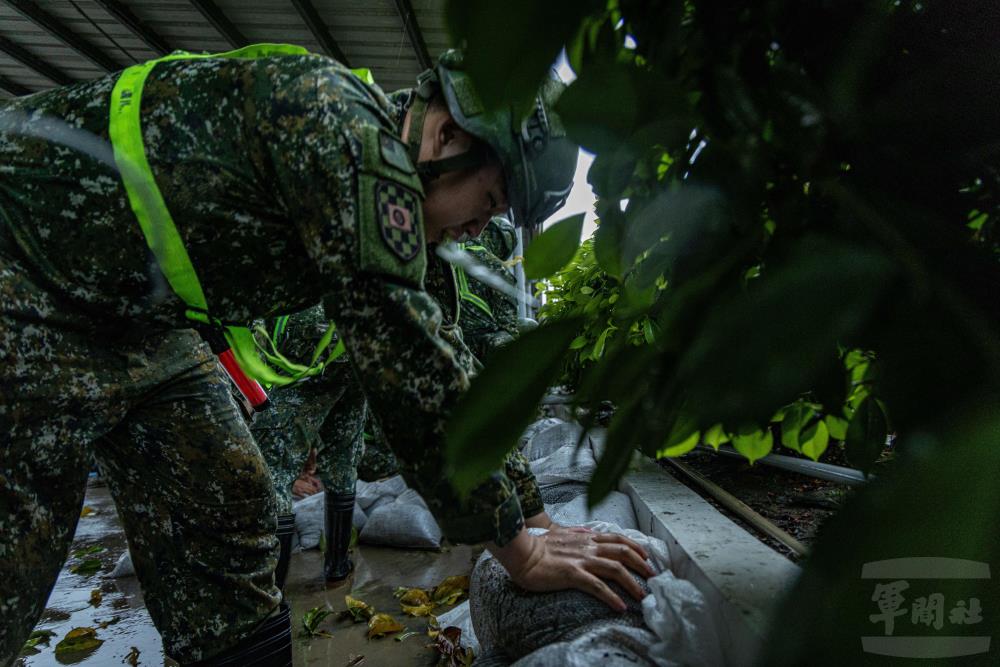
(740, 577)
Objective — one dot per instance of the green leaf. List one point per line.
(86, 567)
(93, 549)
(578, 342)
(813, 440)
(716, 436)
(79, 640)
(554, 248)
(837, 426)
(866, 435)
(647, 331)
(486, 422)
(678, 443)
(795, 419)
(608, 239)
(752, 442)
(510, 46)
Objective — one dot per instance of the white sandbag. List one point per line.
(461, 618)
(677, 612)
(606, 644)
(537, 427)
(405, 522)
(566, 464)
(309, 521)
(382, 491)
(615, 509)
(561, 493)
(124, 567)
(555, 437)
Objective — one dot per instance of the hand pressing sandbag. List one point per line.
(405, 522)
(514, 622)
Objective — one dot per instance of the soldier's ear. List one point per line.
(450, 139)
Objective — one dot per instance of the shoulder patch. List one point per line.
(398, 211)
(394, 152)
(390, 210)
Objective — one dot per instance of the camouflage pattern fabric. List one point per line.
(377, 460)
(326, 412)
(270, 170)
(154, 409)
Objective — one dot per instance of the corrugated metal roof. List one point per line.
(47, 42)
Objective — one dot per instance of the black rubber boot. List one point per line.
(286, 528)
(269, 646)
(339, 512)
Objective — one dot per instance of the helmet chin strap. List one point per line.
(429, 170)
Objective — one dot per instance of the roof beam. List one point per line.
(31, 61)
(124, 15)
(57, 28)
(214, 15)
(405, 8)
(12, 87)
(319, 30)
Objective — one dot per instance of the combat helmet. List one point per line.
(538, 159)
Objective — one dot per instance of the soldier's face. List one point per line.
(460, 205)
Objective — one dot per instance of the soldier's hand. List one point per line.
(575, 558)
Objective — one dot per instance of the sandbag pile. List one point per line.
(386, 513)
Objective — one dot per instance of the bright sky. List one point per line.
(581, 199)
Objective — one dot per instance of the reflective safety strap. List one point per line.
(467, 295)
(162, 237)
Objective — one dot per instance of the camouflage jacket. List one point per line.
(288, 185)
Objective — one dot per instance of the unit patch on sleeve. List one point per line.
(398, 213)
(390, 202)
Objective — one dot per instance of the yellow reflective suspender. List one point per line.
(463, 287)
(162, 237)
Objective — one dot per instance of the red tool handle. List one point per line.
(250, 388)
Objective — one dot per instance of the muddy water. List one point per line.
(378, 571)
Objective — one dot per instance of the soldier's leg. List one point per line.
(198, 508)
(285, 433)
(56, 395)
(342, 437)
(377, 460)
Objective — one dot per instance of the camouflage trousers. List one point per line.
(378, 460)
(326, 413)
(191, 487)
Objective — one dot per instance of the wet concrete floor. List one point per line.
(120, 619)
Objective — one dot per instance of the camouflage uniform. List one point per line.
(326, 412)
(489, 317)
(287, 169)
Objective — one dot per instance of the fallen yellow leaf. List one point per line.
(358, 609)
(418, 610)
(132, 658)
(414, 597)
(87, 511)
(450, 590)
(78, 640)
(383, 624)
(96, 597)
